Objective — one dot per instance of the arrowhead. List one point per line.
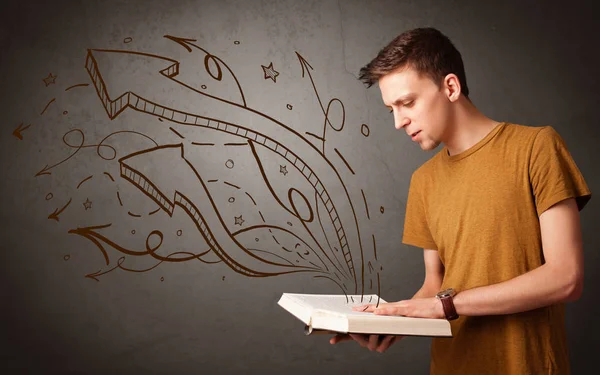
(185, 42)
(18, 130)
(93, 275)
(303, 63)
(43, 171)
(54, 215)
(117, 73)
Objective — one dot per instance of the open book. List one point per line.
(334, 313)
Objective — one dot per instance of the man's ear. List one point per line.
(452, 87)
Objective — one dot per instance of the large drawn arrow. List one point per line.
(147, 83)
(167, 189)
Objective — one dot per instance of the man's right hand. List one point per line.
(379, 343)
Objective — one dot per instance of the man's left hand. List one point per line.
(416, 308)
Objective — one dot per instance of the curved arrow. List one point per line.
(55, 215)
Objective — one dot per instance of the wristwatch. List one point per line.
(446, 297)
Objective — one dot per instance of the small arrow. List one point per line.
(19, 129)
(43, 171)
(100, 273)
(57, 212)
(47, 168)
(303, 64)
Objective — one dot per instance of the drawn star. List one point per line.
(270, 72)
(87, 204)
(50, 79)
(283, 169)
(239, 221)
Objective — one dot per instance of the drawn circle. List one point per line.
(256, 239)
(65, 112)
(364, 129)
(127, 40)
(204, 87)
(289, 106)
(133, 231)
(67, 257)
(307, 214)
(207, 64)
(49, 196)
(289, 223)
(341, 114)
(236, 42)
(162, 278)
(179, 232)
(231, 199)
(381, 209)
(229, 163)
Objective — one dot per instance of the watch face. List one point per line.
(446, 293)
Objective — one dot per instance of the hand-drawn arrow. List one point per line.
(57, 212)
(78, 147)
(19, 129)
(163, 188)
(306, 68)
(131, 88)
(99, 273)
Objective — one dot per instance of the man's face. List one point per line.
(419, 106)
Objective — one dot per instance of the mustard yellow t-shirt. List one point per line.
(480, 210)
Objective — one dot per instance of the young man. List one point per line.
(496, 211)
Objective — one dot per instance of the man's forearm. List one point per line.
(540, 287)
(426, 291)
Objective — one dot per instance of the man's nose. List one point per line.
(401, 122)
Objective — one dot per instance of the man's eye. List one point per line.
(409, 104)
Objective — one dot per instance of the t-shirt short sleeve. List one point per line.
(553, 174)
(416, 229)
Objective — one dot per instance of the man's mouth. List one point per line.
(413, 135)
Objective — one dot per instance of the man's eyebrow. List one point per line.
(401, 99)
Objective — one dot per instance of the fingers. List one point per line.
(339, 338)
(370, 307)
(377, 343)
(362, 340)
(364, 308)
(387, 342)
(373, 342)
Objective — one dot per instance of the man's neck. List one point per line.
(467, 127)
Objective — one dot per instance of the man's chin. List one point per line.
(428, 146)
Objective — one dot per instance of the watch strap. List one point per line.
(449, 309)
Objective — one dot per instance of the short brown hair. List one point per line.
(426, 50)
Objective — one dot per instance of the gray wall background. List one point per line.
(526, 63)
